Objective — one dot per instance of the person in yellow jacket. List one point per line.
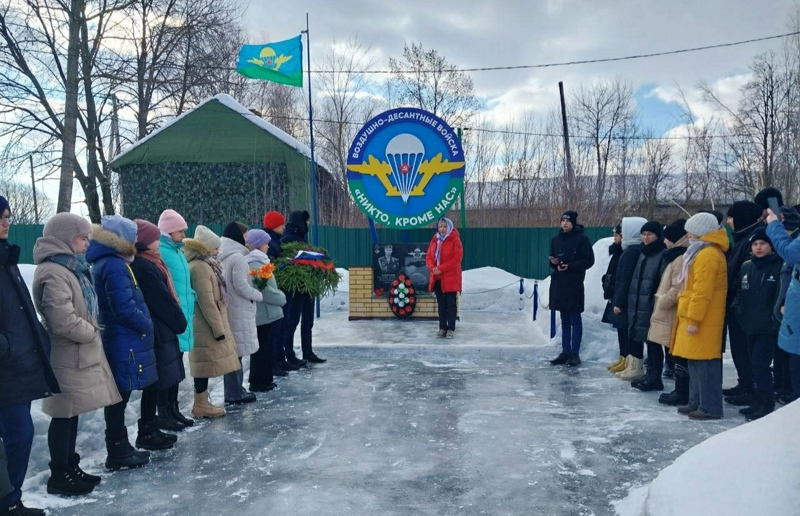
(701, 315)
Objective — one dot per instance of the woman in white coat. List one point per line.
(241, 299)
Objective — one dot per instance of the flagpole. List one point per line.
(314, 209)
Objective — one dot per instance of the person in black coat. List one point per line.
(744, 217)
(609, 281)
(641, 302)
(161, 299)
(759, 289)
(299, 307)
(25, 372)
(571, 255)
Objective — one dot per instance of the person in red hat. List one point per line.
(274, 224)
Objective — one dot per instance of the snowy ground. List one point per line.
(398, 422)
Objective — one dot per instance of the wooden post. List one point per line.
(570, 173)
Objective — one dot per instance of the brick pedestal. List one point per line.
(364, 305)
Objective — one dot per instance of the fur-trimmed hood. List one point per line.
(192, 248)
(105, 243)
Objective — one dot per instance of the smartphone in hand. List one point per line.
(772, 202)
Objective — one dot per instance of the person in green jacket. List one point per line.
(173, 231)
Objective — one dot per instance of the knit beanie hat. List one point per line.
(234, 231)
(745, 214)
(760, 234)
(617, 230)
(571, 216)
(791, 218)
(653, 227)
(207, 237)
(701, 224)
(273, 220)
(257, 238)
(4, 205)
(171, 221)
(66, 226)
(148, 232)
(675, 231)
(120, 226)
(762, 197)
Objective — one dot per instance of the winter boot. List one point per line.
(627, 364)
(680, 396)
(176, 413)
(121, 455)
(635, 371)
(203, 407)
(651, 382)
(621, 366)
(167, 420)
(561, 359)
(733, 391)
(743, 399)
(86, 477)
(277, 370)
(574, 360)
(151, 438)
(286, 366)
(441, 334)
(620, 360)
(63, 481)
(18, 509)
(766, 406)
(669, 367)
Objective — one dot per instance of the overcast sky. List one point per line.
(479, 33)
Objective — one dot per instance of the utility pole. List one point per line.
(33, 188)
(570, 173)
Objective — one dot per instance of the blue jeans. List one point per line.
(16, 429)
(705, 386)
(571, 332)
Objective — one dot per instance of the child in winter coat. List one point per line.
(159, 294)
(173, 232)
(241, 299)
(701, 315)
(214, 351)
(759, 280)
(631, 249)
(127, 330)
(268, 312)
(443, 258)
(67, 302)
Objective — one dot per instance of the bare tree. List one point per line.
(656, 169)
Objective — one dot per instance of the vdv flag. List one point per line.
(281, 62)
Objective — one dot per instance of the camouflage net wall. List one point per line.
(205, 193)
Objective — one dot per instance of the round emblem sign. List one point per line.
(405, 168)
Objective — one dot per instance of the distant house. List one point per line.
(216, 163)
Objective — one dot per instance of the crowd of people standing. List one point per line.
(119, 304)
(681, 292)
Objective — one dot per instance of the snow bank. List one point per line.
(751, 469)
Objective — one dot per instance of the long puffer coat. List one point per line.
(702, 302)
(644, 284)
(451, 253)
(25, 372)
(172, 254)
(631, 249)
(666, 299)
(609, 279)
(242, 296)
(168, 322)
(210, 357)
(566, 287)
(270, 309)
(127, 326)
(77, 355)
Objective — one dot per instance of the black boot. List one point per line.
(560, 359)
(86, 477)
(121, 455)
(151, 438)
(167, 420)
(679, 396)
(766, 407)
(277, 370)
(574, 360)
(752, 409)
(63, 481)
(314, 359)
(734, 391)
(669, 367)
(743, 399)
(176, 413)
(651, 381)
(20, 510)
(287, 366)
(298, 362)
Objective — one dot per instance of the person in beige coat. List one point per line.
(214, 352)
(666, 308)
(67, 302)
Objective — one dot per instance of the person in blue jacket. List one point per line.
(790, 215)
(127, 330)
(789, 333)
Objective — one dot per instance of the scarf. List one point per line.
(695, 246)
(154, 257)
(77, 264)
(217, 268)
(441, 238)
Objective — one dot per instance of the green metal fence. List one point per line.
(521, 251)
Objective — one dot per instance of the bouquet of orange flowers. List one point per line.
(262, 275)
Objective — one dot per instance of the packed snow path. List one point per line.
(409, 429)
